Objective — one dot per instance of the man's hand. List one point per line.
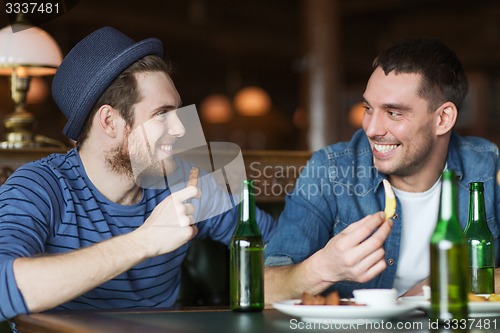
(171, 224)
(356, 253)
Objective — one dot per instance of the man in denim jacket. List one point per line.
(332, 234)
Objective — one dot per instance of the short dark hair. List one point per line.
(443, 77)
(123, 92)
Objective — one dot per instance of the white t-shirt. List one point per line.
(419, 215)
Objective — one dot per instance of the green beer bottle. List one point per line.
(448, 250)
(246, 275)
(481, 244)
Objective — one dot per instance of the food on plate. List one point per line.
(310, 299)
(494, 298)
(193, 177)
(484, 298)
(390, 200)
(332, 298)
(471, 297)
(477, 298)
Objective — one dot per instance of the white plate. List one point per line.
(476, 309)
(342, 313)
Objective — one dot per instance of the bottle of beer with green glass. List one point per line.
(480, 242)
(246, 275)
(449, 258)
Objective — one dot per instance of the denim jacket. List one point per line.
(340, 185)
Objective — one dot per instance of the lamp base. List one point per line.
(19, 125)
(18, 140)
(19, 132)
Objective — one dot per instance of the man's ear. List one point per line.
(446, 117)
(108, 120)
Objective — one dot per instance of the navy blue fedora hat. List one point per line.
(90, 67)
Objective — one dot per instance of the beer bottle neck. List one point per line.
(448, 227)
(247, 223)
(247, 205)
(447, 205)
(477, 212)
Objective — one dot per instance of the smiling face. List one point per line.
(146, 149)
(399, 125)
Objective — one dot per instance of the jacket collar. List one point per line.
(453, 159)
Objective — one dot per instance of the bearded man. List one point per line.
(78, 230)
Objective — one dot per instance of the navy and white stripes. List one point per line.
(50, 206)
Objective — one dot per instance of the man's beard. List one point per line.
(138, 162)
(415, 159)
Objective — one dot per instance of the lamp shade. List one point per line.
(29, 47)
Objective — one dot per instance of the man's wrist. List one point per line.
(318, 276)
(138, 242)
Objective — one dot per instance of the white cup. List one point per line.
(375, 297)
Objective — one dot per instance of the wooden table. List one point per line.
(193, 320)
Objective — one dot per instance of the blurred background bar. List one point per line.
(306, 61)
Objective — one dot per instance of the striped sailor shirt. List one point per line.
(51, 206)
